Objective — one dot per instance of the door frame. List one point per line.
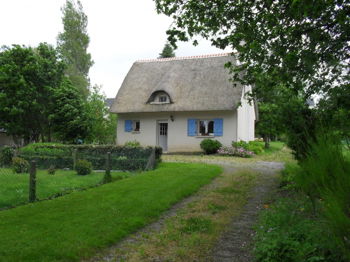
(158, 131)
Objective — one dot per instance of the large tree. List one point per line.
(73, 43)
(28, 78)
(69, 115)
(304, 44)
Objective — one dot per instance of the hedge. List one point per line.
(61, 156)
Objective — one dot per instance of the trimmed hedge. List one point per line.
(61, 156)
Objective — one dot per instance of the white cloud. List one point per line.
(121, 32)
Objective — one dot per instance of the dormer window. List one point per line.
(163, 98)
(159, 98)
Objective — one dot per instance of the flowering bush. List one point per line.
(234, 151)
(241, 152)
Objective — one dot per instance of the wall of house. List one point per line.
(6, 140)
(246, 119)
(178, 139)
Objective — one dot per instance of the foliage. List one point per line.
(28, 79)
(300, 44)
(45, 149)
(132, 144)
(102, 124)
(51, 170)
(69, 117)
(289, 231)
(20, 165)
(167, 51)
(234, 151)
(252, 146)
(210, 146)
(325, 176)
(83, 167)
(6, 155)
(133, 201)
(73, 43)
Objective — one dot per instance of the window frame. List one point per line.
(198, 128)
(134, 125)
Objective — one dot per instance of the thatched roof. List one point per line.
(193, 83)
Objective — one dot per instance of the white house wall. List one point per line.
(178, 140)
(246, 119)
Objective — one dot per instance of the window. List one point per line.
(205, 128)
(201, 127)
(163, 99)
(136, 125)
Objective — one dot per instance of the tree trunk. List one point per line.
(267, 141)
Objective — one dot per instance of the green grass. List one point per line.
(76, 225)
(14, 187)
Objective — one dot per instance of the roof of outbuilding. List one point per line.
(199, 83)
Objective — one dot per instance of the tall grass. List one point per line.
(325, 178)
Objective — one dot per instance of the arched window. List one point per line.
(159, 97)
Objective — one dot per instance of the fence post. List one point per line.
(32, 181)
(107, 177)
(74, 156)
(151, 163)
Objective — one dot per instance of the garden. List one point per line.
(61, 169)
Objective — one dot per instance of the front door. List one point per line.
(163, 135)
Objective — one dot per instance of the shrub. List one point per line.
(210, 146)
(83, 167)
(51, 170)
(255, 147)
(240, 144)
(6, 156)
(242, 152)
(226, 151)
(132, 144)
(20, 165)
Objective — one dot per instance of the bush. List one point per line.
(83, 167)
(6, 155)
(51, 170)
(20, 165)
(210, 146)
(255, 147)
(132, 144)
(240, 144)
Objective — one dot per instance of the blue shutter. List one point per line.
(218, 127)
(128, 125)
(191, 127)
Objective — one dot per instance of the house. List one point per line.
(175, 103)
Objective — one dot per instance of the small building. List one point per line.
(175, 103)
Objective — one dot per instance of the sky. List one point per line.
(121, 32)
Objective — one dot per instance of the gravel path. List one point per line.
(235, 244)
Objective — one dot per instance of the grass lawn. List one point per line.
(14, 187)
(76, 225)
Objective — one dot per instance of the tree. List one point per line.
(69, 117)
(73, 43)
(28, 78)
(303, 44)
(102, 123)
(168, 51)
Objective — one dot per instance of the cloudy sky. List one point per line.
(121, 32)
